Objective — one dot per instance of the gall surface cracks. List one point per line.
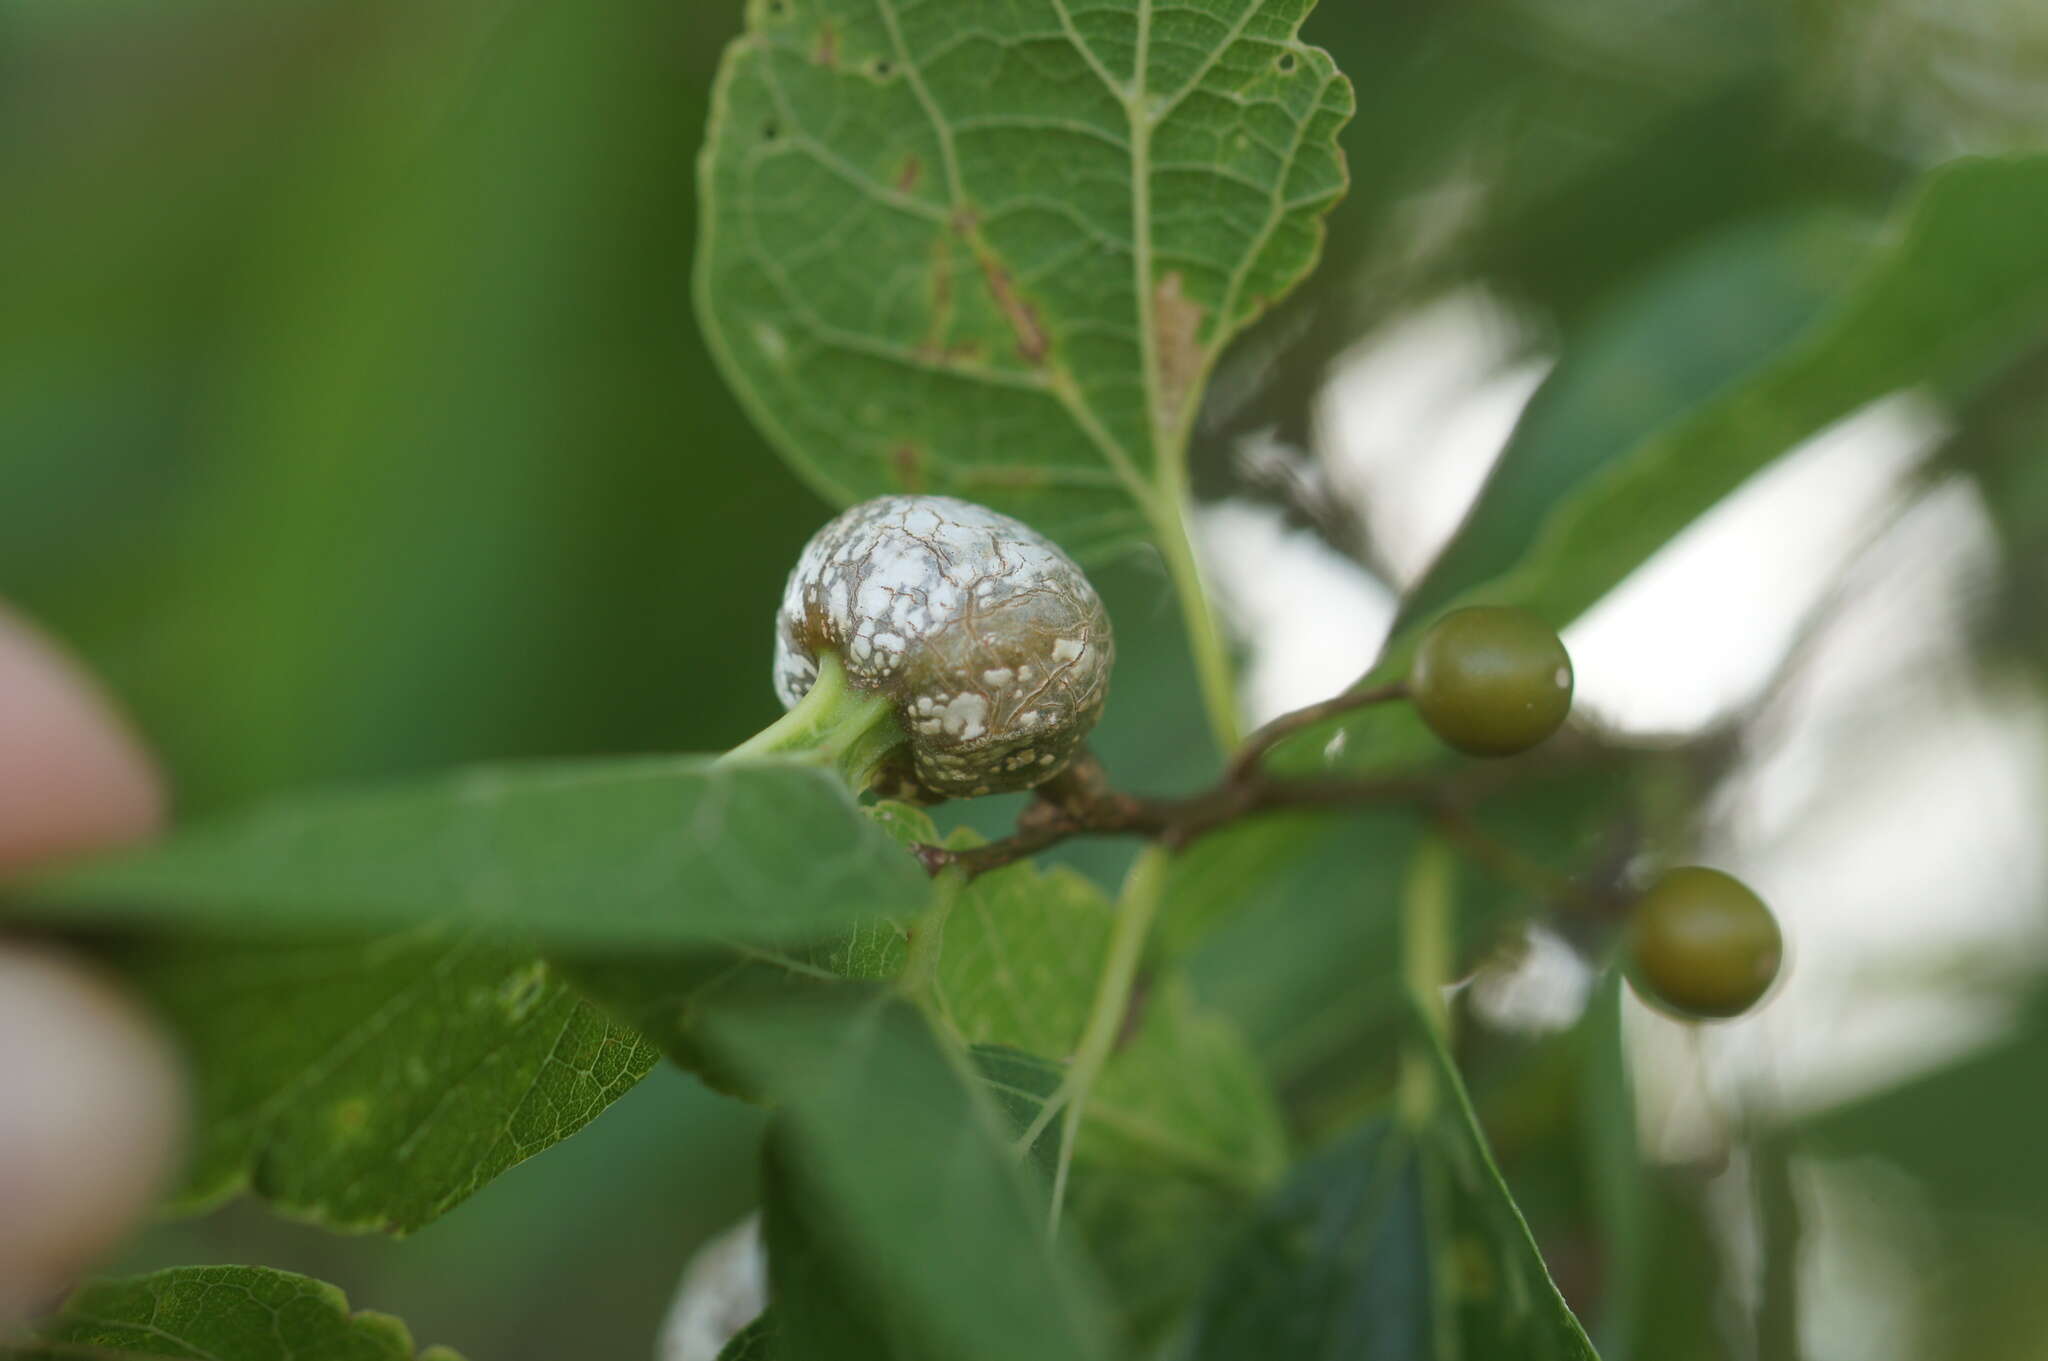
(989, 641)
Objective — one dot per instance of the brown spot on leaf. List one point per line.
(1008, 477)
(908, 461)
(827, 54)
(908, 176)
(1177, 348)
(1134, 1011)
(1023, 318)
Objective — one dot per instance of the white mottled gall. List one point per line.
(988, 639)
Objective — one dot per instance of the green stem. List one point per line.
(1136, 910)
(1205, 633)
(1777, 1210)
(919, 979)
(833, 725)
(1425, 968)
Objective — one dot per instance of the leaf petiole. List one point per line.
(1426, 962)
(833, 725)
(1214, 667)
(1136, 911)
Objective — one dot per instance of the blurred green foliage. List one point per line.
(353, 422)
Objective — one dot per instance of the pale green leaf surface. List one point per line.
(376, 1084)
(1022, 949)
(992, 247)
(667, 851)
(1181, 1131)
(1185, 1091)
(222, 1313)
(1182, 1138)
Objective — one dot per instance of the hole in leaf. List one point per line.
(881, 68)
(770, 130)
(1286, 63)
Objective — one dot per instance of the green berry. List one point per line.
(1701, 944)
(1491, 681)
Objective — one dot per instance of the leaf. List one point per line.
(1400, 1242)
(672, 851)
(667, 998)
(222, 1313)
(993, 247)
(1918, 1126)
(1023, 946)
(1021, 1084)
(1180, 1132)
(1958, 287)
(1691, 330)
(1023, 949)
(826, 1315)
(1508, 1304)
(1015, 978)
(1184, 1091)
(819, 1311)
(1622, 1200)
(1289, 926)
(1181, 1138)
(909, 1181)
(376, 1084)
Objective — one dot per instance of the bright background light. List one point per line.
(1884, 802)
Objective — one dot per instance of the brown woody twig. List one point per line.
(1080, 802)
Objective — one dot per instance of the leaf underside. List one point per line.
(376, 1084)
(991, 248)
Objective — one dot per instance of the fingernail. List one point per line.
(90, 1128)
(72, 775)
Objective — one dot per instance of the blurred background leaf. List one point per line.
(374, 1085)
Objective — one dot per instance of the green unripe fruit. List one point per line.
(1491, 681)
(1702, 945)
